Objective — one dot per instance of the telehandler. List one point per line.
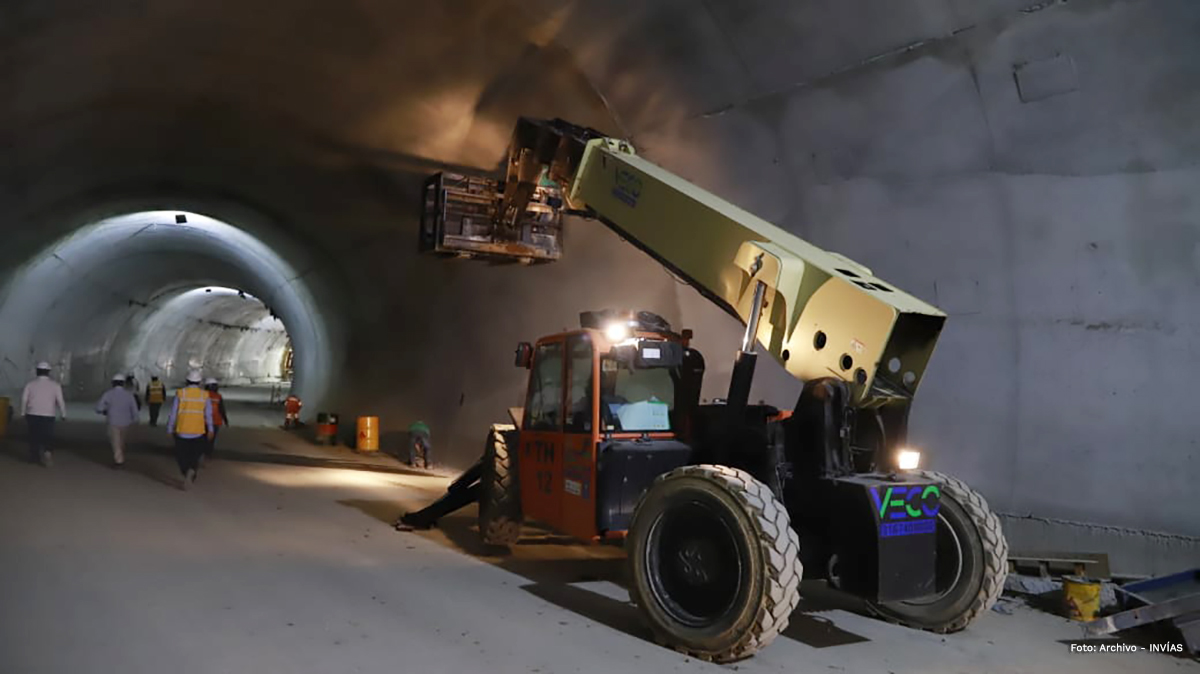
(724, 507)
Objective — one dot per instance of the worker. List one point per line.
(219, 417)
(291, 411)
(191, 424)
(120, 407)
(131, 385)
(156, 395)
(419, 445)
(39, 401)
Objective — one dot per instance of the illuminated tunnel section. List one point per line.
(225, 332)
(158, 293)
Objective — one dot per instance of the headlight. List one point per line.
(616, 332)
(907, 459)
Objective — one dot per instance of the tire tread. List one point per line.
(779, 546)
(500, 516)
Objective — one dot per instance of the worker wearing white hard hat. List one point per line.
(120, 408)
(218, 415)
(40, 400)
(191, 424)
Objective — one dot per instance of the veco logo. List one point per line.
(628, 187)
(916, 507)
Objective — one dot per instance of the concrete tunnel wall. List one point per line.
(1030, 168)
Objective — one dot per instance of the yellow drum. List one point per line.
(3, 416)
(1082, 598)
(368, 434)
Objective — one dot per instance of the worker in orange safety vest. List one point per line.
(291, 411)
(219, 417)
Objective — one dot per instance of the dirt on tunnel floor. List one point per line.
(270, 567)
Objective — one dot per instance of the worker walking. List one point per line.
(191, 424)
(120, 407)
(131, 385)
(39, 401)
(291, 411)
(219, 418)
(419, 445)
(156, 395)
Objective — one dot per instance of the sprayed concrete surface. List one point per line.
(277, 568)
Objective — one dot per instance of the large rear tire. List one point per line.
(499, 492)
(714, 562)
(972, 562)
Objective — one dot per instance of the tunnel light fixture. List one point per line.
(220, 291)
(172, 219)
(908, 459)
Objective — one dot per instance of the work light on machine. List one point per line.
(617, 331)
(908, 459)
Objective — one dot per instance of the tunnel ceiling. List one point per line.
(140, 99)
(150, 94)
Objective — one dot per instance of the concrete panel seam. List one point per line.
(729, 41)
(1096, 526)
(983, 112)
(1037, 7)
(608, 108)
(817, 81)
(902, 50)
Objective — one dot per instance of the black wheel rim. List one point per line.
(694, 563)
(950, 561)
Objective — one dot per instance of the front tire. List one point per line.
(972, 562)
(499, 493)
(714, 562)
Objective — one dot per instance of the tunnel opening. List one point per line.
(226, 333)
(160, 293)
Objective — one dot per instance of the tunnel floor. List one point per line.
(272, 567)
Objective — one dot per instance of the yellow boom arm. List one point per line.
(821, 314)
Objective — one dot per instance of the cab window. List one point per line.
(543, 410)
(579, 396)
(635, 400)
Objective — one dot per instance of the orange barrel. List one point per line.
(327, 428)
(368, 434)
